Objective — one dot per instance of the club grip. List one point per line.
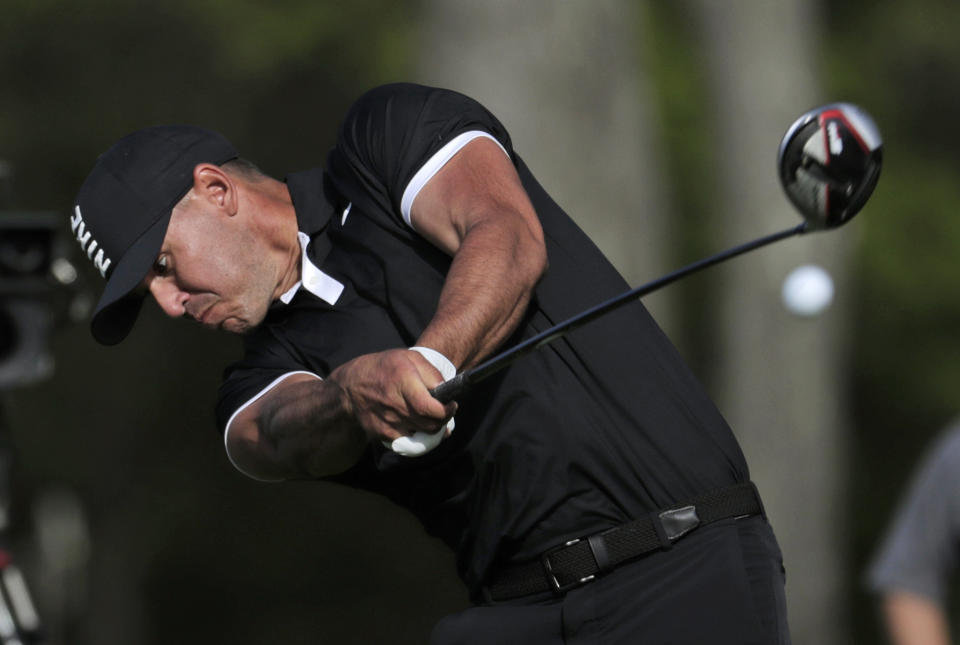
(452, 389)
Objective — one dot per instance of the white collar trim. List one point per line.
(313, 279)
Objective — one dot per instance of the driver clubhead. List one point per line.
(829, 162)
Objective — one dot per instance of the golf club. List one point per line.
(828, 164)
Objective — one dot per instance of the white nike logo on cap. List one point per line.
(88, 244)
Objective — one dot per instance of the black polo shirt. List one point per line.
(591, 431)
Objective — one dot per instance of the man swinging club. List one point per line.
(591, 491)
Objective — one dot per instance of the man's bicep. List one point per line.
(479, 182)
(247, 447)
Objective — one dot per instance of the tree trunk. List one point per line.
(779, 379)
(565, 79)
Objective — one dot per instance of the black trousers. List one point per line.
(721, 584)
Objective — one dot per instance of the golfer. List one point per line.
(591, 491)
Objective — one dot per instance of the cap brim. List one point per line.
(121, 302)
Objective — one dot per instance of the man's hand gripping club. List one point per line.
(388, 395)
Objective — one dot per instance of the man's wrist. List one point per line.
(438, 360)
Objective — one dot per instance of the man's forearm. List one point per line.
(488, 288)
(307, 429)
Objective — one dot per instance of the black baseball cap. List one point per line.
(123, 210)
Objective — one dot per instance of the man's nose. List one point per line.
(170, 298)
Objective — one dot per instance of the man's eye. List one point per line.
(160, 267)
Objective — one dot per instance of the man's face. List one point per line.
(212, 268)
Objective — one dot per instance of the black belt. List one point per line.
(579, 561)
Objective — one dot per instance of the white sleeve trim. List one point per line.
(434, 164)
(226, 432)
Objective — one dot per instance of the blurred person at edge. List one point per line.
(591, 490)
(913, 567)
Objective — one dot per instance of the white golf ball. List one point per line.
(808, 290)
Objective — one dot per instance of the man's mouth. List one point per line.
(202, 316)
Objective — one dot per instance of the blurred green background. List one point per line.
(129, 522)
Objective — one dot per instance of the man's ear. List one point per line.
(211, 183)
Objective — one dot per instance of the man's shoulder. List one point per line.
(402, 89)
(397, 88)
(402, 96)
(389, 94)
